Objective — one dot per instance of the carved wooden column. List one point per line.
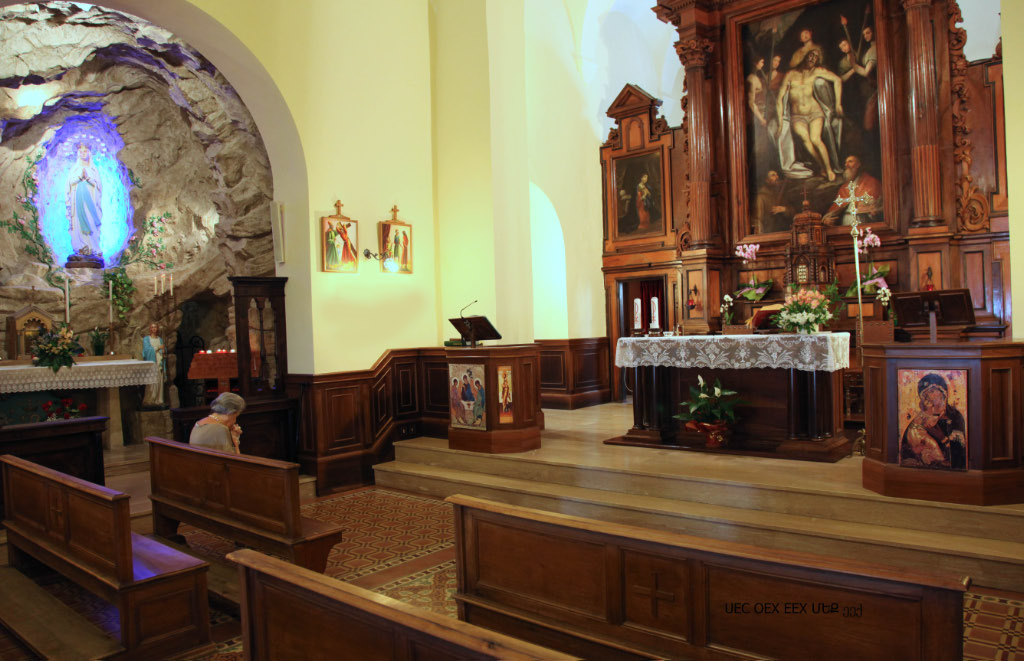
(924, 121)
(693, 53)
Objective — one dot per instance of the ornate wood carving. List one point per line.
(972, 208)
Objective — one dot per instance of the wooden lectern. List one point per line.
(943, 313)
(493, 392)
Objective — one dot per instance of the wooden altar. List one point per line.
(973, 452)
(924, 126)
(791, 385)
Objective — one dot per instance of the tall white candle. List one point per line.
(67, 302)
(154, 285)
(654, 313)
(637, 314)
(110, 307)
(172, 284)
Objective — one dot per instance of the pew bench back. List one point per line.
(589, 587)
(286, 610)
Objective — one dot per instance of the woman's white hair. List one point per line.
(227, 403)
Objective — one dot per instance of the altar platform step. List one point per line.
(773, 503)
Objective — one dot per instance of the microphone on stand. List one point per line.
(464, 309)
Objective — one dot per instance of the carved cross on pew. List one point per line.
(56, 510)
(394, 213)
(655, 594)
(337, 207)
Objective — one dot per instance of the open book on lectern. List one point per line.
(475, 329)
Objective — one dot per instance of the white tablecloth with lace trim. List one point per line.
(81, 376)
(826, 352)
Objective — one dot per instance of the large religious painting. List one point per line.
(638, 194)
(396, 244)
(812, 129)
(339, 237)
(466, 396)
(933, 419)
(506, 412)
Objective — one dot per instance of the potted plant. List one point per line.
(98, 339)
(729, 328)
(710, 410)
(56, 348)
(754, 290)
(874, 279)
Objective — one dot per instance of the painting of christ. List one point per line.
(506, 411)
(811, 105)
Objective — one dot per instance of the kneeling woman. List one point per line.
(219, 430)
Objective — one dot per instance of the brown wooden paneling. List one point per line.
(381, 398)
(342, 415)
(974, 277)
(574, 373)
(435, 376)
(1003, 399)
(406, 391)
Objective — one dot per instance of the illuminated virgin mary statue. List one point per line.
(84, 197)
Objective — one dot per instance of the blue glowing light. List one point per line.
(99, 134)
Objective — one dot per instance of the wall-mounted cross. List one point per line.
(655, 594)
(337, 207)
(394, 213)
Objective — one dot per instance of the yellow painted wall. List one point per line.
(1013, 61)
(356, 78)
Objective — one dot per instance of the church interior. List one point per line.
(703, 345)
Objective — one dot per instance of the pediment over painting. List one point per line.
(633, 100)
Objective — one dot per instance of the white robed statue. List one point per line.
(153, 351)
(84, 201)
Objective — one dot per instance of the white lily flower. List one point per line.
(700, 380)
(703, 395)
(718, 392)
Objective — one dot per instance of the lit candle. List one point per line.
(654, 313)
(637, 314)
(110, 307)
(67, 302)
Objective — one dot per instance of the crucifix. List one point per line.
(394, 213)
(337, 207)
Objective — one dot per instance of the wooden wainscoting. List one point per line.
(574, 373)
(349, 420)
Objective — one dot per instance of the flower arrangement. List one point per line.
(753, 290)
(63, 409)
(875, 278)
(726, 309)
(712, 404)
(806, 309)
(56, 348)
(98, 339)
(884, 296)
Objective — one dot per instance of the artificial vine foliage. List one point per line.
(145, 247)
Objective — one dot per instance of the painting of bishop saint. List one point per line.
(506, 410)
(466, 396)
(933, 419)
(812, 124)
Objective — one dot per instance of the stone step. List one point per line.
(989, 562)
(46, 625)
(855, 505)
(126, 467)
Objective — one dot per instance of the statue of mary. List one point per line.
(84, 203)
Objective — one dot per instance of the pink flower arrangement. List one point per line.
(804, 311)
(748, 251)
(867, 239)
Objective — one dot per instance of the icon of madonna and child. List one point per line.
(933, 428)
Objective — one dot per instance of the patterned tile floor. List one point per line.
(401, 545)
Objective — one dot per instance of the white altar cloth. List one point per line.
(826, 352)
(81, 376)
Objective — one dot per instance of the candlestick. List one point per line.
(110, 307)
(67, 302)
(637, 314)
(654, 313)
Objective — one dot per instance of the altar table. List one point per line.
(791, 385)
(106, 376)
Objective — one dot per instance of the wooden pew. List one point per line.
(250, 500)
(589, 587)
(83, 531)
(73, 447)
(286, 611)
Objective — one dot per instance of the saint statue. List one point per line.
(153, 351)
(84, 198)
